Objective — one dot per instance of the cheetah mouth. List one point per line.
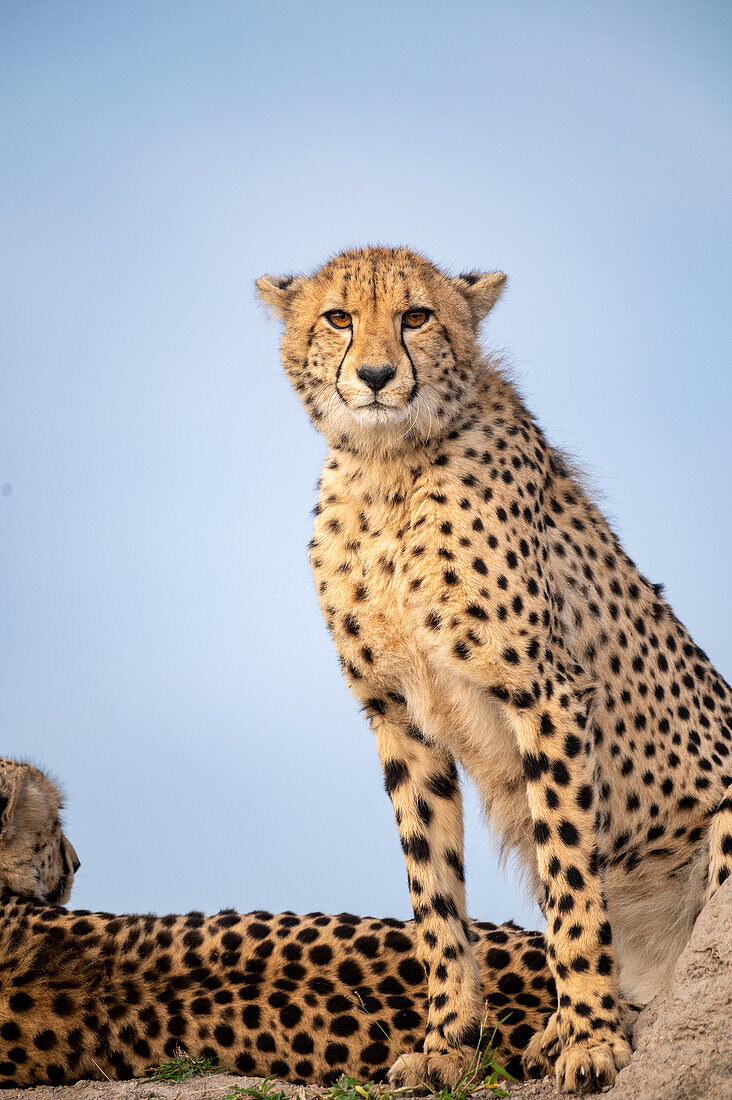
(368, 408)
(379, 412)
(60, 893)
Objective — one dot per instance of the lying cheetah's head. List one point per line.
(36, 859)
(380, 345)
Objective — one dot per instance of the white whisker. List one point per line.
(420, 397)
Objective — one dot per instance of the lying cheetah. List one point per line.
(305, 998)
(486, 614)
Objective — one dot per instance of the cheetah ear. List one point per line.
(12, 796)
(278, 292)
(28, 802)
(481, 290)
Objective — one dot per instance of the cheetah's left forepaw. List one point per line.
(582, 1067)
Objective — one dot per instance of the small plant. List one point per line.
(265, 1091)
(347, 1088)
(182, 1066)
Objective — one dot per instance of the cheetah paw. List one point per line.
(432, 1069)
(543, 1049)
(582, 1067)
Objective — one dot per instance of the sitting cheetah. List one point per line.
(306, 998)
(486, 614)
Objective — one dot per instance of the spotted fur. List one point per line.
(486, 615)
(307, 998)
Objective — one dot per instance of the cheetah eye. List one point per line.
(415, 318)
(338, 318)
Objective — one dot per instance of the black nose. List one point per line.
(376, 377)
(76, 864)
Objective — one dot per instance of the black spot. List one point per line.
(453, 859)
(250, 1016)
(395, 774)
(560, 773)
(266, 1043)
(510, 984)
(520, 1037)
(417, 847)
(411, 971)
(568, 834)
(336, 1054)
(575, 878)
(397, 941)
(350, 973)
(375, 1054)
(45, 1040)
(535, 766)
(302, 1043)
(343, 1026)
(443, 785)
(476, 611)
(534, 960)
(584, 798)
(572, 745)
(224, 1035)
(367, 946)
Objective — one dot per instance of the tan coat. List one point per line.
(487, 616)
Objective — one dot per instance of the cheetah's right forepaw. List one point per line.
(433, 1069)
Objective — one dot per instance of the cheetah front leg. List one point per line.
(423, 786)
(585, 1039)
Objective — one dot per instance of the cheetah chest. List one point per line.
(363, 589)
(370, 594)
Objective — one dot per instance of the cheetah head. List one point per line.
(380, 345)
(36, 859)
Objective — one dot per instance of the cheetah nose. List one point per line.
(375, 377)
(70, 856)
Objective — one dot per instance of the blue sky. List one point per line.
(160, 642)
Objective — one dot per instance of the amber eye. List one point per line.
(339, 318)
(415, 318)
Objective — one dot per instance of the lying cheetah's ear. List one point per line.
(12, 795)
(277, 292)
(481, 289)
(29, 802)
